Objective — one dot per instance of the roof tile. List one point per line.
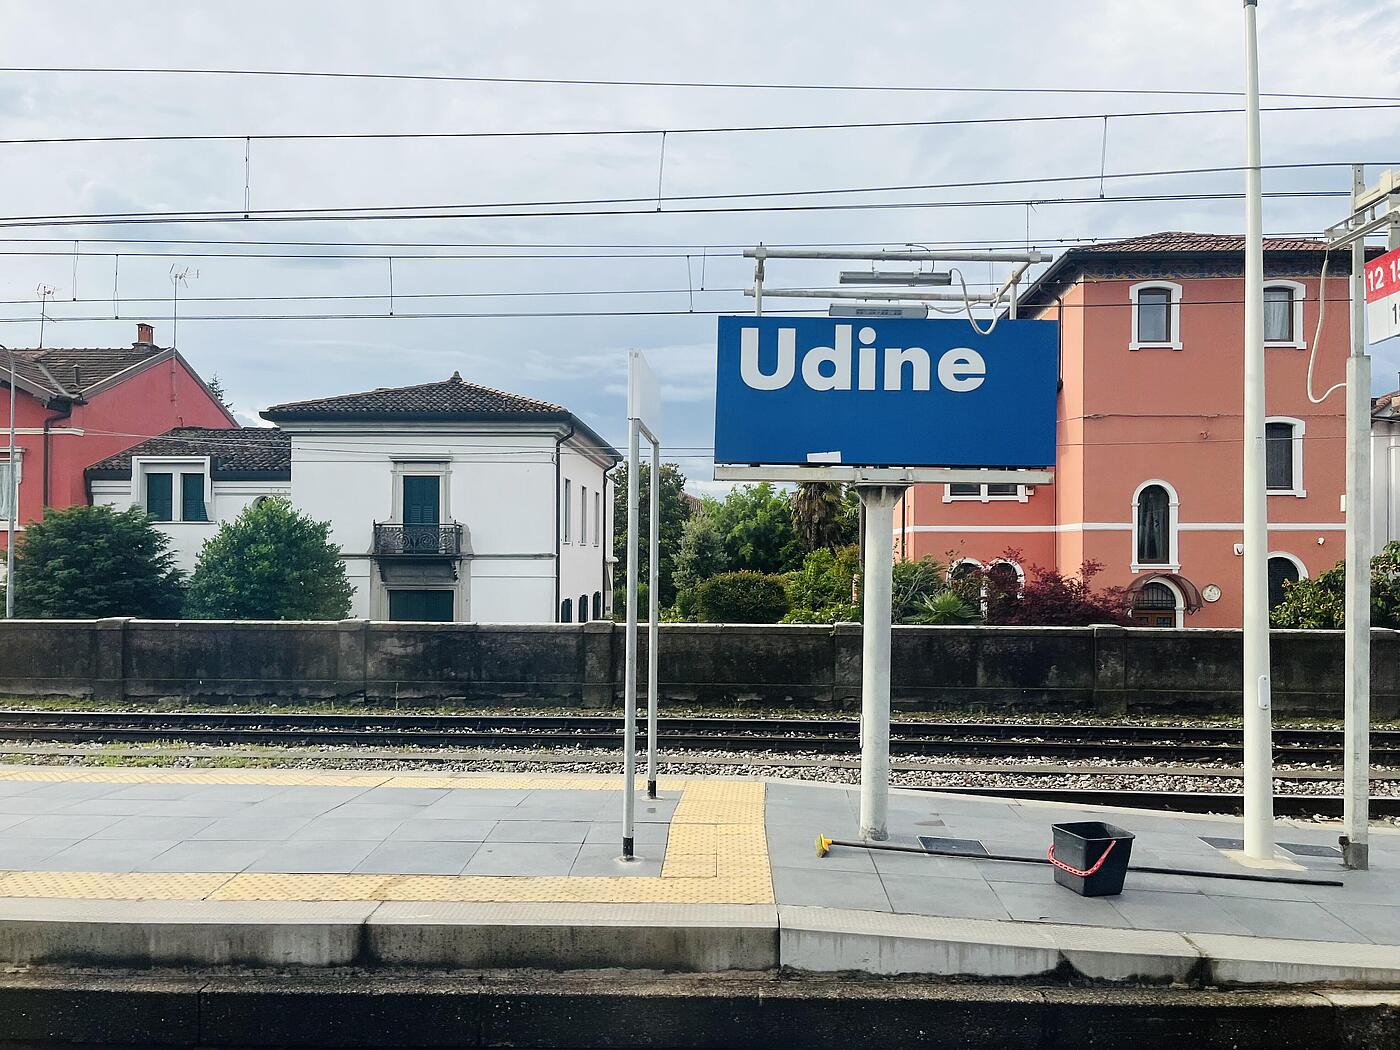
(450, 397)
(231, 450)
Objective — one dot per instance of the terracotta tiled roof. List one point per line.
(71, 371)
(1177, 241)
(234, 451)
(1385, 401)
(445, 400)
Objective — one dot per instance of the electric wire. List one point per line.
(733, 129)
(714, 85)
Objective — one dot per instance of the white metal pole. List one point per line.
(653, 615)
(12, 483)
(1258, 743)
(629, 689)
(877, 575)
(1356, 772)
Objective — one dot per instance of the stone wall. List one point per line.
(1108, 670)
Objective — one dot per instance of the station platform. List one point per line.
(298, 868)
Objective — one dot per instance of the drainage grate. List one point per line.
(1298, 849)
(966, 847)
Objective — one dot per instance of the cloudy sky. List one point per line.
(651, 266)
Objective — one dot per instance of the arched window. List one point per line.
(597, 605)
(1157, 605)
(1283, 455)
(1283, 569)
(566, 611)
(1154, 527)
(583, 608)
(1156, 309)
(1006, 576)
(1283, 314)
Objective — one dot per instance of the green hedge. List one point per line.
(741, 597)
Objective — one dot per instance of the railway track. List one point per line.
(1066, 742)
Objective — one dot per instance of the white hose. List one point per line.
(1317, 335)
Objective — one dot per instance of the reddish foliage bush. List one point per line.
(1048, 598)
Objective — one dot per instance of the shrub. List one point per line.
(95, 561)
(741, 597)
(270, 563)
(1319, 603)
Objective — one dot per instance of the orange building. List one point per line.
(1149, 458)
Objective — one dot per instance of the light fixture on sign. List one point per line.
(916, 310)
(896, 277)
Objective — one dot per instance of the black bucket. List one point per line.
(1091, 857)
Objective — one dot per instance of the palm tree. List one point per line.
(817, 508)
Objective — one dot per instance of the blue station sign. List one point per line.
(886, 392)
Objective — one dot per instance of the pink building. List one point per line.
(76, 406)
(1149, 432)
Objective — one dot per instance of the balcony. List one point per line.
(417, 541)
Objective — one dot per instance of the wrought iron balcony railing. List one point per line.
(418, 541)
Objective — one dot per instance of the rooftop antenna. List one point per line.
(178, 277)
(44, 294)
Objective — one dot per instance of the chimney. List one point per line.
(145, 335)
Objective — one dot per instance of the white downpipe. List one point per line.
(653, 615)
(1258, 743)
(877, 576)
(629, 691)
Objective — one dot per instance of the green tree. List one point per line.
(216, 387)
(85, 562)
(1319, 603)
(701, 555)
(676, 508)
(822, 589)
(741, 597)
(820, 515)
(756, 523)
(944, 608)
(270, 563)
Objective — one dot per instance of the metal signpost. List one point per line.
(643, 418)
(882, 404)
(1375, 298)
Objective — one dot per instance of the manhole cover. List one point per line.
(965, 847)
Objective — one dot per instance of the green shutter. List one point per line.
(160, 502)
(192, 498)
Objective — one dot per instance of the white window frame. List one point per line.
(955, 565)
(1173, 528)
(406, 465)
(1299, 429)
(1297, 561)
(597, 518)
(175, 466)
(567, 503)
(1179, 612)
(1021, 495)
(1298, 342)
(1173, 315)
(1020, 572)
(16, 456)
(583, 516)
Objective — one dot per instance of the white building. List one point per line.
(449, 500)
(192, 478)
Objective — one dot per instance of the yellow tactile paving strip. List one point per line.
(716, 852)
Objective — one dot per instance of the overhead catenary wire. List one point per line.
(718, 129)
(1000, 89)
(658, 197)
(326, 216)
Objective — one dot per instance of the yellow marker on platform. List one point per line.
(823, 845)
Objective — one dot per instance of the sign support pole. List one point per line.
(1356, 772)
(629, 692)
(1258, 732)
(653, 615)
(878, 572)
